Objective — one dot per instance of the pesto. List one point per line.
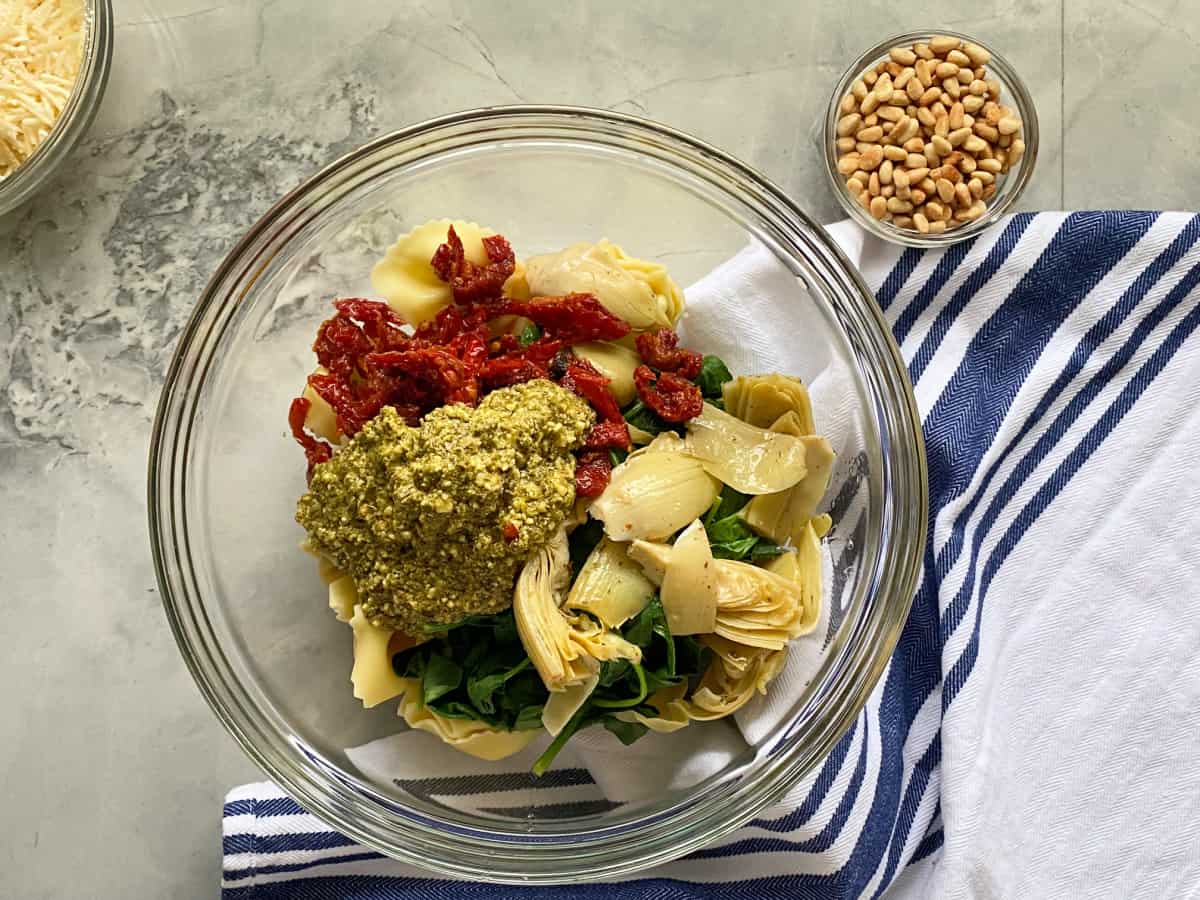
(434, 522)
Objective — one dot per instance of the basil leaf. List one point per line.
(713, 374)
(441, 676)
(530, 334)
(626, 732)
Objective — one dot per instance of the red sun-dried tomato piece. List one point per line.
(582, 378)
(506, 371)
(316, 452)
(658, 349)
(450, 377)
(469, 282)
(570, 319)
(592, 473)
(605, 435)
(358, 328)
(673, 398)
(510, 532)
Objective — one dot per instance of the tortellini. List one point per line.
(373, 678)
(746, 458)
(655, 492)
(614, 362)
(639, 292)
(610, 586)
(405, 277)
(471, 736)
(566, 650)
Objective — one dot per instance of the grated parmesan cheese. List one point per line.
(41, 46)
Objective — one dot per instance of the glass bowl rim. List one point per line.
(77, 115)
(1022, 98)
(355, 809)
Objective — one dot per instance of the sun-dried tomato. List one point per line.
(449, 377)
(470, 282)
(606, 435)
(506, 371)
(570, 319)
(658, 349)
(582, 378)
(316, 452)
(593, 470)
(510, 532)
(673, 398)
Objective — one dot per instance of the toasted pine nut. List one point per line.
(940, 144)
(900, 178)
(967, 164)
(871, 134)
(895, 154)
(919, 176)
(921, 222)
(896, 205)
(985, 178)
(848, 163)
(904, 78)
(903, 221)
(915, 160)
(1016, 151)
(976, 209)
(986, 131)
(869, 104)
(855, 186)
(962, 196)
(972, 104)
(931, 155)
(974, 143)
(924, 72)
(937, 227)
(848, 104)
(848, 125)
(945, 190)
(930, 96)
(942, 126)
(945, 70)
(845, 144)
(878, 207)
(953, 87)
(923, 51)
(870, 160)
(957, 137)
(956, 116)
(943, 44)
(915, 145)
(873, 184)
(927, 185)
(914, 89)
(977, 54)
(917, 197)
(933, 209)
(988, 191)
(885, 173)
(990, 165)
(993, 89)
(965, 77)
(975, 186)
(903, 55)
(1008, 125)
(864, 199)
(926, 117)
(890, 113)
(859, 89)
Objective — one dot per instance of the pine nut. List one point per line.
(931, 155)
(878, 207)
(926, 117)
(1016, 151)
(975, 210)
(975, 186)
(1004, 140)
(962, 196)
(903, 56)
(921, 222)
(870, 160)
(923, 51)
(945, 190)
(894, 69)
(903, 221)
(937, 227)
(974, 144)
(993, 89)
(900, 179)
(927, 185)
(956, 116)
(870, 104)
(855, 186)
(906, 129)
(930, 96)
(917, 197)
(924, 72)
(933, 209)
(896, 205)
(904, 78)
(883, 87)
(986, 131)
(885, 173)
(890, 113)
(915, 145)
(864, 200)
(914, 89)
(985, 177)
(989, 191)
(990, 165)
(845, 144)
(957, 137)
(977, 88)
(965, 77)
(945, 70)
(903, 193)
(870, 134)
(870, 77)
(872, 119)
(859, 89)
(847, 105)
(873, 184)
(977, 54)
(1008, 125)
(847, 125)
(942, 44)
(953, 87)
(940, 109)
(968, 164)
(895, 154)
(940, 144)
(972, 104)
(919, 176)
(848, 163)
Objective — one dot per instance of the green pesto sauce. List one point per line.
(418, 515)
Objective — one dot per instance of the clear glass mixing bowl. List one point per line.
(246, 607)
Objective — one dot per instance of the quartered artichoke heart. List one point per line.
(748, 459)
(610, 586)
(655, 492)
(782, 517)
(760, 400)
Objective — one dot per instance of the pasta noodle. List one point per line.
(372, 676)
(472, 737)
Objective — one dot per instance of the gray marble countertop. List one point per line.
(112, 769)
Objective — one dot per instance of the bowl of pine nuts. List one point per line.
(929, 138)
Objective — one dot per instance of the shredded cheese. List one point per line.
(41, 46)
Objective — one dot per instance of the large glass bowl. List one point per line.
(246, 607)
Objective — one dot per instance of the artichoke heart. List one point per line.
(566, 650)
(654, 493)
(614, 362)
(761, 399)
(782, 517)
(733, 677)
(610, 586)
(689, 590)
(746, 458)
(469, 736)
(759, 608)
(670, 710)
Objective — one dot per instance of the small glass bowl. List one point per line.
(248, 611)
(76, 116)
(1008, 186)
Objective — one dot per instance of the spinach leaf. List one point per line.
(729, 535)
(735, 549)
(727, 503)
(626, 732)
(441, 676)
(764, 549)
(713, 374)
(640, 628)
(583, 541)
(691, 656)
(617, 456)
(639, 415)
(529, 718)
(530, 334)
(481, 689)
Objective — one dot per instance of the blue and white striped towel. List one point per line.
(1036, 733)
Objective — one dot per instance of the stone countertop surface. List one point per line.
(113, 768)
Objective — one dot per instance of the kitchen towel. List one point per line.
(1035, 732)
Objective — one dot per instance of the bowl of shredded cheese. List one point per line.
(54, 60)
